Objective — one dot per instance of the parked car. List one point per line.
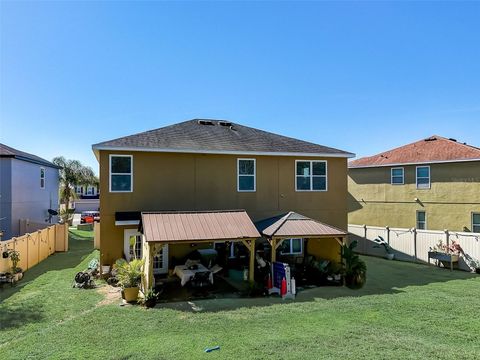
(89, 217)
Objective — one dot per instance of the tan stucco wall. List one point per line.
(165, 181)
(454, 195)
(328, 249)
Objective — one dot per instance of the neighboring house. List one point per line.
(88, 198)
(86, 191)
(164, 180)
(28, 188)
(432, 184)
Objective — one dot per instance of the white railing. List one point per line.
(413, 244)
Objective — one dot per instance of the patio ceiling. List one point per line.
(293, 225)
(227, 225)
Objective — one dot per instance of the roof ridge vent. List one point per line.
(225, 123)
(452, 139)
(431, 138)
(205, 122)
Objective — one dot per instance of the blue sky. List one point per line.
(362, 77)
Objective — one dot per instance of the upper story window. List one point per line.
(291, 247)
(90, 190)
(79, 189)
(121, 173)
(476, 222)
(421, 220)
(246, 172)
(42, 178)
(310, 175)
(397, 176)
(423, 177)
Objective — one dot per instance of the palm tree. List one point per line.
(72, 173)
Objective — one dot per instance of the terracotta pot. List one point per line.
(131, 294)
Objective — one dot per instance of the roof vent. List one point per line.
(225, 123)
(452, 139)
(433, 138)
(205, 122)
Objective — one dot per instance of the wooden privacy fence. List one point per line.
(35, 247)
(413, 244)
(96, 235)
(28, 226)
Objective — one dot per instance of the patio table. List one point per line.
(186, 274)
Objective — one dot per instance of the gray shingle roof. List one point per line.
(220, 136)
(9, 152)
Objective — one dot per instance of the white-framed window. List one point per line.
(132, 244)
(423, 177)
(311, 175)
(79, 190)
(135, 248)
(121, 173)
(90, 190)
(246, 175)
(42, 178)
(421, 220)
(476, 222)
(397, 176)
(231, 248)
(291, 247)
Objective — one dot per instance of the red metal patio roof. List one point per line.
(197, 226)
(296, 225)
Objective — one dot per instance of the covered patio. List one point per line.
(306, 237)
(160, 229)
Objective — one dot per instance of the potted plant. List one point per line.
(17, 272)
(381, 242)
(129, 275)
(354, 268)
(150, 299)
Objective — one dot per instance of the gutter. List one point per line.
(97, 148)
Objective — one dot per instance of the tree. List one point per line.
(72, 173)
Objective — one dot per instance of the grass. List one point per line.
(406, 311)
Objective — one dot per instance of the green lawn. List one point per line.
(405, 311)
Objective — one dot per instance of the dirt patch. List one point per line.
(111, 295)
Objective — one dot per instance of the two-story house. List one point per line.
(157, 185)
(28, 189)
(431, 184)
(86, 191)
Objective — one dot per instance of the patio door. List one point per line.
(133, 236)
(160, 261)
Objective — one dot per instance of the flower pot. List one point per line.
(130, 294)
(105, 269)
(354, 281)
(390, 256)
(150, 303)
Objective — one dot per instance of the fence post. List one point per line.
(447, 237)
(414, 244)
(364, 238)
(387, 228)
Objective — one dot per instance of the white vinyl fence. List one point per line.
(412, 244)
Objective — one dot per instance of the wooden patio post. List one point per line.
(273, 243)
(251, 271)
(148, 266)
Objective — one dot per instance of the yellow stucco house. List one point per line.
(203, 184)
(431, 184)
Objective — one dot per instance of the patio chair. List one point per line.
(201, 280)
